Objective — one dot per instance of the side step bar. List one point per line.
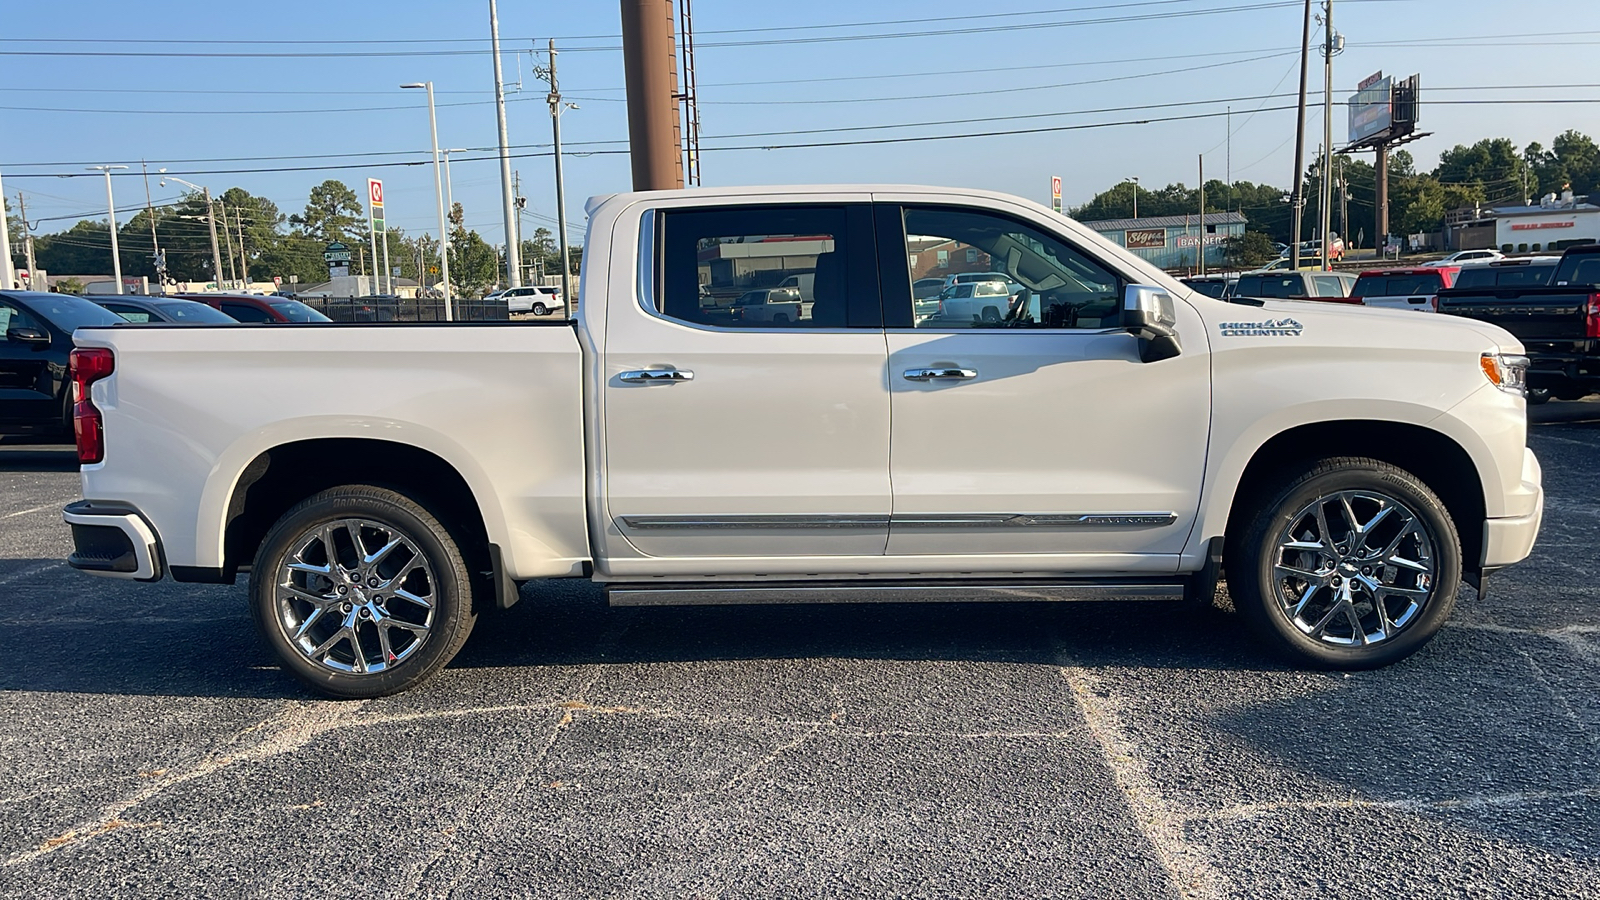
(711, 593)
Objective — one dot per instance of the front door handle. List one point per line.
(939, 374)
(656, 376)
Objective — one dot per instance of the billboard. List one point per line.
(1371, 107)
(1383, 108)
(1145, 239)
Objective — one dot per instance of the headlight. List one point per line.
(1507, 372)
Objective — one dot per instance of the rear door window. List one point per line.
(244, 312)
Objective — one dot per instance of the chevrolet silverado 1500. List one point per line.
(1110, 434)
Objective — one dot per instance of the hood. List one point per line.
(1368, 325)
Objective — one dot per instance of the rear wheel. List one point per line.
(361, 592)
(1352, 564)
(540, 309)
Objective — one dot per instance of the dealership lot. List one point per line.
(151, 744)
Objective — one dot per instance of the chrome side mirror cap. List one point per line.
(1150, 314)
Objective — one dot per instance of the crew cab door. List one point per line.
(26, 388)
(1040, 442)
(740, 439)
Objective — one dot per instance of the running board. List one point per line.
(710, 593)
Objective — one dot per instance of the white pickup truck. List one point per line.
(1114, 435)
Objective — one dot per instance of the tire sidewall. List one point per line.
(1260, 603)
(539, 309)
(452, 606)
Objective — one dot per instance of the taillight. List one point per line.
(88, 365)
(1593, 327)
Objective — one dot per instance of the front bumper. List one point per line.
(1509, 540)
(113, 540)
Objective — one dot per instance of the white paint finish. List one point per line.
(189, 408)
(774, 423)
(1055, 422)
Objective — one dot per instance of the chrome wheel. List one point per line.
(356, 596)
(1353, 568)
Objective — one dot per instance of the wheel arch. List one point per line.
(283, 475)
(1435, 458)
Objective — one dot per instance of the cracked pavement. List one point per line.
(152, 746)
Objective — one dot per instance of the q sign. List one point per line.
(375, 191)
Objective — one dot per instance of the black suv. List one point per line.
(35, 340)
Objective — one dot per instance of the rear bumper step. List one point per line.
(987, 591)
(112, 540)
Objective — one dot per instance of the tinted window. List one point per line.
(11, 317)
(1209, 288)
(295, 311)
(712, 259)
(190, 311)
(1271, 286)
(1397, 285)
(1018, 276)
(1504, 276)
(131, 313)
(71, 313)
(244, 312)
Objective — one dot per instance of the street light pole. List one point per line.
(211, 219)
(513, 247)
(449, 190)
(111, 209)
(438, 190)
(155, 242)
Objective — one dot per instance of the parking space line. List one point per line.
(30, 571)
(1190, 869)
(24, 512)
(1479, 801)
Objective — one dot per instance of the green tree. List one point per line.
(333, 213)
(474, 264)
(69, 286)
(1249, 250)
(1491, 165)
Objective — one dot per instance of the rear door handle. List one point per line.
(656, 376)
(940, 374)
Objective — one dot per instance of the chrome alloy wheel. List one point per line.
(1353, 568)
(356, 597)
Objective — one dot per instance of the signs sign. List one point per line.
(1145, 238)
(336, 253)
(375, 203)
(1055, 192)
(1532, 226)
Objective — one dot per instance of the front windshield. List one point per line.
(295, 311)
(70, 313)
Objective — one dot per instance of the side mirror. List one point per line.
(1149, 314)
(24, 335)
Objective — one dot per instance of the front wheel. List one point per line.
(361, 592)
(1353, 564)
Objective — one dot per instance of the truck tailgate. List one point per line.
(1535, 315)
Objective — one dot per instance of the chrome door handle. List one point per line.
(656, 376)
(942, 374)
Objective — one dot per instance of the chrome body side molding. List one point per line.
(957, 520)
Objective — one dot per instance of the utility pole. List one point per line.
(27, 241)
(244, 261)
(1344, 203)
(7, 278)
(520, 202)
(1330, 40)
(211, 220)
(227, 241)
(513, 246)
(155, 244)
(648, 64)
(1228, 169)
(561, 195)
(1202, 214)
(1300, 145)
(691, 105)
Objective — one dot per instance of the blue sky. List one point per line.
(1009, 64)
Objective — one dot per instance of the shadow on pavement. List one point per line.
(37, 458)
(1559, 412)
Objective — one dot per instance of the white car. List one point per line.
(1461, 257)
(1123, 437)
(536, 299)
(974, 301)
(774, 306)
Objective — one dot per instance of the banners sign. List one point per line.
(1145, 239)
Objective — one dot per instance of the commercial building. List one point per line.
(1555, 223)
(1174, 242)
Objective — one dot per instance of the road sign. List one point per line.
(277, 280)
(1055, 192)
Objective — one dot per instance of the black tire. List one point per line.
(1254, 578)
(990, 315)
(540, 309)
(448, 616)
(1538, 396)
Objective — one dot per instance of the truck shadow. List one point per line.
(25, 457)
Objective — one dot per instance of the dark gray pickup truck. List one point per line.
(1558, 321)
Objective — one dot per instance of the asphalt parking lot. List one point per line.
(151, 746)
